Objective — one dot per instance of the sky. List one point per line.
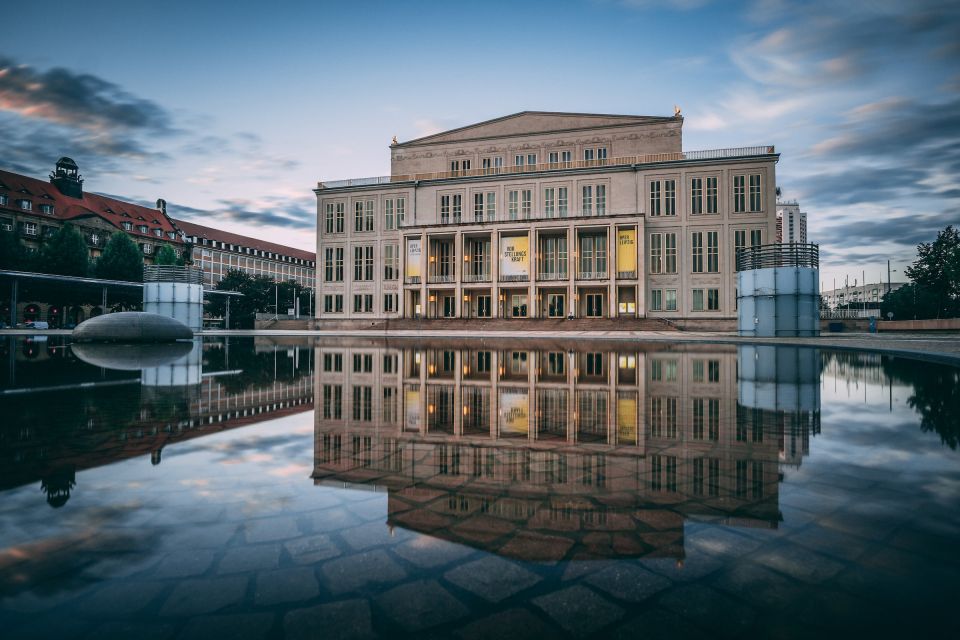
(232, 113)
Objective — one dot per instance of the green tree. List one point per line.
(121, 259)
(13, 255)
(167, 256)
(909, 302)
(260, 295)
(937, 270)
(65, 253)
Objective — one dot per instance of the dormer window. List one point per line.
(127, 226)
(172, 235)
(125, 214)
(109, 210)
(158, 233)
(142, 228)
(46, 208)
(3, 200)
(25, 205)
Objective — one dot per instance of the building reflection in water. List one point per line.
(116, 402)
(547, 454)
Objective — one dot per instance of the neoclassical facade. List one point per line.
(540, 215)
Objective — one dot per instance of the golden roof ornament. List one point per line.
(676, 111)
(394, 140)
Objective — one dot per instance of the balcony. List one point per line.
(517, 278)
(552, 276)
(477, 277)
(652, 158)
(441, 279)
(411, 280)
(592, 275)
(626, 275)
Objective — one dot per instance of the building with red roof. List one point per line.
(35, 209)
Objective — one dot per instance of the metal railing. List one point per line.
(627, 275)
(476, 277)
(553, 275)
(592, 275)
(411, 280)
(650, 158)
(766, 256)
(516, 278)
(168, 273)
(440, 279)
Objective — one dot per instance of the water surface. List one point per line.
(360, 488)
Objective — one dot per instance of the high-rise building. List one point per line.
(791, 223)
(541, 214)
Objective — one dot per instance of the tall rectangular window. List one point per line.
(698, 299)
(756, 237)
(513, 204)
(401, 210)
(588, 155)
(358, 216)
(739, 242)
(696, 196)
(388, 220)
(553, 157)
(669, 197)
(491, 206)
(656, 300)
(526, 203)
(444, 209)
(457, 207)
(670, 300)
(328, 264)
(368, 216)
(587, 201)
(712, 194)
(391, 262)
(670, 247)
(518, 160)
(696, 251)
(713, 299)
(739, 194)
(531, 159)
(478, 207)
(601, 199)
(713, 252)
(357, 264)
(655, 198)
(562, 206)
(549, 201)
(756, 202)
(341, 215)
(338, 265)
(328, 219)
(656, 253)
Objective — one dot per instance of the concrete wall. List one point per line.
(944, 324)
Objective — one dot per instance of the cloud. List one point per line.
(276, 211)
(76, 99)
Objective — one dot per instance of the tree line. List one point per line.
(261, 294)
(65, 253)
(934, 287)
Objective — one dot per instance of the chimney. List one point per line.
(162, 206)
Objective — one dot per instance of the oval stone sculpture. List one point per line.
(131, 357)
(131, 326)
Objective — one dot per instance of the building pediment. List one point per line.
(533, 122)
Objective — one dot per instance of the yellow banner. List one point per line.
(412, 412)
(515, 256)
(514, 413)
(414, 251)
(627, 420)
(626, 250)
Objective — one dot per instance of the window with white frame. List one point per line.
(669, 197)
(25, 205)
(656, 300)
(518, 160)
(444, 209)
(756, 201)
(390, 302)
(46, 208)
(337, 264)
(30, 228)
(586, 202)
(712, 194)
(670, 300)
(562, 202)
(601, 199)
(696, 251)
(3, 200)
(601, 153)
(655, 209)
(696, 196)
(713, 252)
(739, 194)
(587, 155)
(391, 261)
(526, 203)
(328, 264)
(368, 215)
(513, 204)
(670, 252)
(401, 210)
(457, 207)
(531, 159)
(550, 200)
(341, 208)
(697, 300)
(756, 237)
(656, 253)
(713, 299)
(328, 218)
(388, 216)
(491, 200)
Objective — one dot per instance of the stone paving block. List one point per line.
(311, 549)
(800, 563)
(374, 534)
(250, 558)
(329, 520)
(536, 548)
(579, 610)
(124, 630)
(204, 595)
(344, 620)
(426, 552)
(504, 625)
(201, 537)
(754, 583)
(184, 564)
(118, 599)
(492, 578)
(270, 530)
(239, 626)
(628, 582)
(709, 608)
(350, 573)
(658, 623)
(832, 542)
(286, 585)
(419, 605)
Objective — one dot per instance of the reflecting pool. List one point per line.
(255, 487)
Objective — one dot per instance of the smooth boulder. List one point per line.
(131, 326)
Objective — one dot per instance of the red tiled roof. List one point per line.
(200, 231)
(65, 208)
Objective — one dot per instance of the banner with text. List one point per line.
(515, 258)
(626, 250)
(514, 413)
(414, 251)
